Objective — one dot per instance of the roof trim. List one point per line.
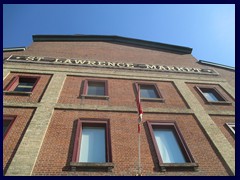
(216, 65)
(14, 49)
(116, 39)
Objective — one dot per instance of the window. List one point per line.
(92, 147)
(231, 126)
(22, 84)
(149, 92)
(169, 145)
(93, 138)
(7, 123)
(95, 89)
(212, 95)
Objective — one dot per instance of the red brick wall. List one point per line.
(105, 51)
(56, 151)
(15, 133)
(121, 93)
(216, 107)
(221, 123)
(37, 91)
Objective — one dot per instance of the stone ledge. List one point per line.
(17, 93)
(221, 113)
(23, 105)
(166, 166)
(219, 103)
(94, 97)
(153, 99)
(91, 166)
(122, 109)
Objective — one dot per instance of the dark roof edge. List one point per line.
(109, 38)
(216, 65)
(10, 49)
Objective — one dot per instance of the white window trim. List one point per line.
(230, 126)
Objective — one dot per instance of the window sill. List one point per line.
(94, 97)
(165, 166)
(219, 102)
(17, 93)
(91, 166)
(153, 99)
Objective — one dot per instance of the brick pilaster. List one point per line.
(5, 73)
(224, 148)
(27, 153)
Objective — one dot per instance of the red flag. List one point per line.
(139, 128)
(139, 106)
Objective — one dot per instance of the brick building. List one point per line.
(70, 109)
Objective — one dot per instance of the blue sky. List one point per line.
(208, 29)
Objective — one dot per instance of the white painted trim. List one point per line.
(231, 125)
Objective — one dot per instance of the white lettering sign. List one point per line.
(121, 65)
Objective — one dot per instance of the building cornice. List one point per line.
(113, 39)
(14, 49)
(216, 65)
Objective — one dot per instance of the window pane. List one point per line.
(93, 145)
(27, 80)
(148, 92)
(25, 85)
(6, 125)
(96, 88)
(168, 146)
(210, 96)
(23, 89)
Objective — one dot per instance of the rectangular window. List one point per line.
(22, 84)
(25, 84)
(169, 145)
(7, 123)
(92, 145)
(93, 138)
(95, 89)
(231, 126)
(212, 95)
(149, 91)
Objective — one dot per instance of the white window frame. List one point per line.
(230, 126)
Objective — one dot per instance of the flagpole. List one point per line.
(139, 150)
(140, 113)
